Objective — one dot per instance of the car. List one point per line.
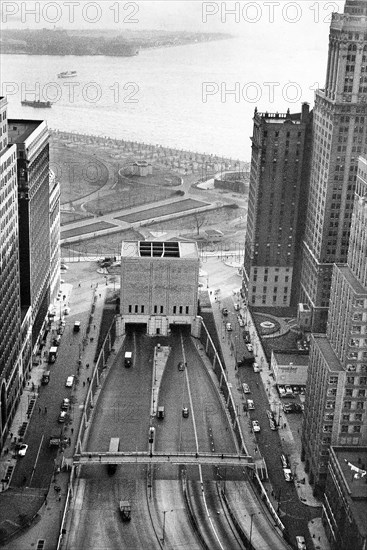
(288, 391)
(185, 412)
(250, 404)
(284, 460)
(69, 381)
(281, 391)
(181, 366)
(22, 449)
(246, 388)
(301, 543)
(66, 311)
(225, 312)
(249, 347)
(241, 322)
(65, 405)
(256, 367)
(287, 407)
(255, 426)
(237, 307)
(287, 474)
(62, 417)
(64, 267)
(229, 327)
(270, 415)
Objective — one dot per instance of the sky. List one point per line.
(195, 15)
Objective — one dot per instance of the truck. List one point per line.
(52, 354)
(56, 441)
(125, 510)
(113, 448)
(128, 361)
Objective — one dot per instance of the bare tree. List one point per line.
(199, 221)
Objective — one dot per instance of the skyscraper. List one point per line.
(336, 405)
(339, 137)
(31, 138)
(275, 221)
(15, 352)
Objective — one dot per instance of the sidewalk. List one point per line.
(46, 509)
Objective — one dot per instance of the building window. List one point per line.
(361, 393)
(346, 417)
(130, 309)
(357, 429)
(142, 309)
(344, 429)
(181, 308)
(161, 309)
(174, 310)
(155, 309)
(347, 404)
(187, 310)
(136, 308)
(360, 405)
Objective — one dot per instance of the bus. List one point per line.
(128, 359)
(114, 448)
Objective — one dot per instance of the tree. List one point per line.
(199, 221)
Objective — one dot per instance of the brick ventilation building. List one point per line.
(281, 146)
(339, 137)
(159, 285)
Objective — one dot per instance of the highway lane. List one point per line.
(123, 411)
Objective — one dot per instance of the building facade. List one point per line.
(15, 354)
(159, 285)
(339, 137)
(31, 138)
(55, 260)
(281, 145)
(336, 393)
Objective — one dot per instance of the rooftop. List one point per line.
(348, 459)
(346, 271)
(20, 129)
(294, 358)
(327, 352)
(159, 249)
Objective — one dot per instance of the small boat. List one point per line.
(67, 74)
(38, 104)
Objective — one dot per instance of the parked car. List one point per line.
(237, 307)
(69, 381)
(65, 405)
(246, 388)
(22, 449)
(225, 311)
(288, 391)
(287, 474)
(301, 543)
(249, 347)
(185, 412)
(62, 417)
(281, 391)
(229, 327)
(255, 426)
(241, 321)
(64, 267)
(284, 460)
(256, 367)
(181, 366)
(250, 404)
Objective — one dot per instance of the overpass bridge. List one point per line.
(204, 459)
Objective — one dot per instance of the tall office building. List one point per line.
(281, 145)
(339, 137)
(336, 405)
(55, 263)
(31, 138)
(14, 321)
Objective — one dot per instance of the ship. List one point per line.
(39, 104)
(67, 74)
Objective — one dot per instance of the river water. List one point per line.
(177, 96)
